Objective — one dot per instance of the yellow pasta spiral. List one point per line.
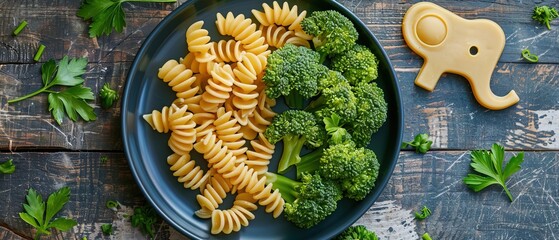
(218, 89)
(179, 78)
(227, 129)
(227, 51)
(280, 15)
(278, 36)
(168, 119)
(214, 193)
(259, 157)
(188, 172)
(198, 42)
(231, 220)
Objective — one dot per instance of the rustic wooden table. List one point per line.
(49, 156)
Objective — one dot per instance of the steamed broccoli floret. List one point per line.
(296, 128)
(354, 169)
(357, 232)
(371, 113)
(337, 98)
(358, 64)
(360, 185)
(293, 72)
(309, 201)
(332, 32)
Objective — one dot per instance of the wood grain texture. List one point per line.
(383, 18)
(433, 179)
(450, 115)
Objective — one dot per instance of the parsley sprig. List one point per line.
(39, 215)
(7, 167)
(489, 165)
(144, 218)
(72, 100)
(106, 15)
(335, 129)
(423, 213)
(420, 142)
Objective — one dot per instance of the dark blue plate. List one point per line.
(147, 150)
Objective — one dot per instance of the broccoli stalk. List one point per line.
(332, 32)
(293, 72)
(309, 201)
(296, 128)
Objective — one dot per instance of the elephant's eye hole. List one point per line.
(473, 50)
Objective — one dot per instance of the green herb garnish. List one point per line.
(424, 213)
(333, 128)
(144, 218)
(544, 15)
(19, 28)
(39, 53)
(106, 15)
(107, 229)
(39, 215)
(529, 56)
(113, 205)
(71, 101)
(421, 143)
(489, 165)
(108, 96)
(7, 167)
(426, 236)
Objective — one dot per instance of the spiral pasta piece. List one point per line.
(214, 193)
(167, 119)
(188, 172)
(227, 129)
(280, 15)
(259, 157)
(278, 36)
(250, 68)
(179, 78)
(218, 89)
(231, 220)
(198, 42)
(227, 51)
(183, 136)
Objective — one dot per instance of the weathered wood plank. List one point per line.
(29, 125)
(450, 114)
(433, 179)
(91, 181)
(383, 18)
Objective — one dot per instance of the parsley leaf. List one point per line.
(424, 213)
(107, 229)
(39, 216)
(106, 15)
(71, 101)
(333, 128)
(489, 165)
(7, 167)
(421, 143)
